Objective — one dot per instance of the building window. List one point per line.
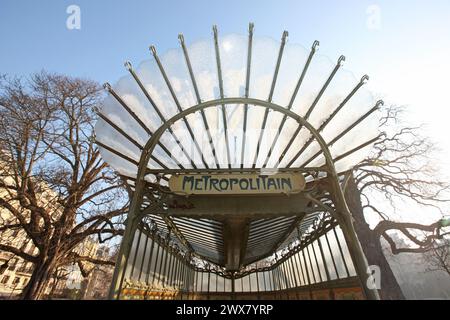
(5, 279)
(12, 264)
(16, 281)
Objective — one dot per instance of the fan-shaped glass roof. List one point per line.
(241, 135)
(286, 74)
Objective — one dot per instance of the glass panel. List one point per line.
(227, 285)
(328, 257)
(320, 260)
(310, 265)
(220, 284)
(238, 285)
(212, 284)
(348, 258)
(337, 255)
(253, 283)
(129, 265)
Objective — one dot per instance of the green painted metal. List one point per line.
(341, 213)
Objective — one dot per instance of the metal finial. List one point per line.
(251, 26)
(364, 78)
(380, 103)
(315, 44)
(128, 65)
(341, 60)
(153, 50)
(107, 86)
(181, 38)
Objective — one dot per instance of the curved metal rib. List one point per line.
(344, 132)
(108, 87)
(247, 87)
(129, 67)
(327, 121)
(219, 73)
(129, 138)
(311, 108)
(177, 103)
(291, 102)
(272, 89)
(197, 95)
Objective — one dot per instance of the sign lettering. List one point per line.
(237, 183)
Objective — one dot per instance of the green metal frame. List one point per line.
(341, 212)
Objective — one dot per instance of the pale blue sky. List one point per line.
(34, 34)
(406, 54)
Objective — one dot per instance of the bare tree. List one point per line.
(58, 191)
(400, 168)
(438, 257)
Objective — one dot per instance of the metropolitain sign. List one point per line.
(225, 184)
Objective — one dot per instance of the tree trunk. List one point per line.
(35, 288)
(370, 242)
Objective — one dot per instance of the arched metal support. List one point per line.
(342, 213)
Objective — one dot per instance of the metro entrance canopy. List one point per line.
(232, 151)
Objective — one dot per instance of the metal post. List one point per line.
(332, 256)
(163, 256)
(344, 218)
(285, 273)
(295, 276)
(272, 284)
(217, 282)
(325, 264)
(233, 289)
(341, 252)
(301, 278)
(327, 272)
(292, 271)
(143, 256)
(135, 253)
(185, 277)
(164, 273)
(124, 252)
(149, 262)
(180, 265)
(196, 281)
(156, 264)
(170, 268)
(201, 281)
(265, 284)
(257, 284)
(307, 274)
(317, 262)
(311, 265)
(190, 281)
(209, 280)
